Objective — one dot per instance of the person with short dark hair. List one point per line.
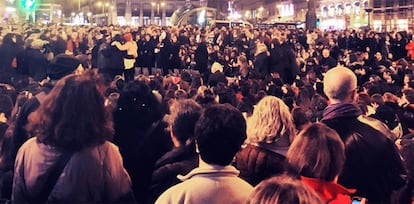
(372, 164)
(220, 132)
(183, 157)
(72, 120)
(320, 165)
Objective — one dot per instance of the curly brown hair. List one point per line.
(73, 115)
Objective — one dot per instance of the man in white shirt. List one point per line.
(220, 132)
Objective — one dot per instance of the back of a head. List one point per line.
(62, 65)
(6, 105)
(137, 106)
(338, 83)
(283, 189)
(220, 132)
(409, 95)
(73, 115)
(183, 118)
(326, 157)
(271, 120)
(377, 99)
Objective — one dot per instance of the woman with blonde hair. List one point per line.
(270, 131)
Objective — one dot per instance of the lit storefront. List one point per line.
(344, 15)
(383, 14)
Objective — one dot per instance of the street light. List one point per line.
(103, 5)
(369, 10)
(158, 4)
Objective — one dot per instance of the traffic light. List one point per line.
(29, 4)
(318, 22)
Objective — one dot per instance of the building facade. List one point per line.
(138, 12)
(379, 15)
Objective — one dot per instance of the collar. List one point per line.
(326, 189)
(211, 170)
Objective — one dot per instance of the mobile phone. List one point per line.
(356, 200)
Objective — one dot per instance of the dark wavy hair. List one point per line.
(73, 115)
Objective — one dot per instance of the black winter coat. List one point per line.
(36, 63)
(114, 58)
(261, 64)
(283, 61)
(178, 161)
(201, 57)
(140, 152)
(373, 165)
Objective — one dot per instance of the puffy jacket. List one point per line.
(92, 175)
(258, 162)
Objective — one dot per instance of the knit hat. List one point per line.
(128, 37)
(61, 66)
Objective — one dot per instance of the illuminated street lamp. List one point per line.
(158, 4)
(103, 5)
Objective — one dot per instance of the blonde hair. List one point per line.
(271, 120)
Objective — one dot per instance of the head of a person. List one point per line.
(389, 97)
(182, 119)
(137, 107)
(128, 37)
(408, 94)
(317, 152)
(326, 53)
(219, 133)
(377, 99)
(270, 121)
(6, 106)
(300, 118)
(340, 85)
(408, 78)
(283, 189)
(73, 115)
(63, 65)
(378, 56)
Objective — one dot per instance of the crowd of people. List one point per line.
(205, 115)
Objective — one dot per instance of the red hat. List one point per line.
(128, 37)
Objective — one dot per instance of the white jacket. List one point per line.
(211, 184)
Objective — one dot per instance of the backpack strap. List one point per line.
(54, 173)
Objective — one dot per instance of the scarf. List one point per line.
(341, 110)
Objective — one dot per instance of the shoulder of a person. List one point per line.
(377, 125)
(174, 194)
(28, 145)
